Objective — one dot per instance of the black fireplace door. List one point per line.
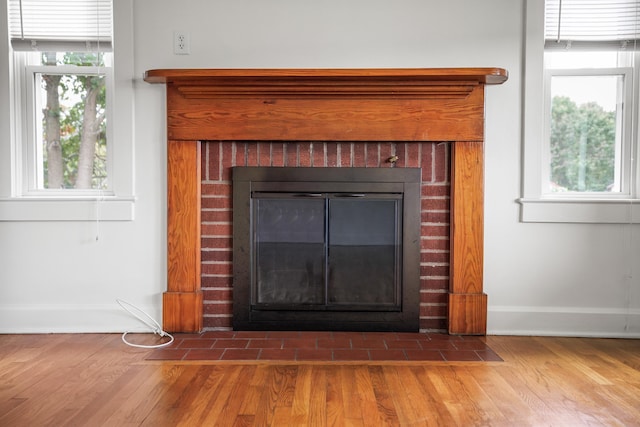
(327, 251)
(326, 248)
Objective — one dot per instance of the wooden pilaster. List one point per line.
(182, 303)
(467, 302)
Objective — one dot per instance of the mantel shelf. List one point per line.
(199, 75)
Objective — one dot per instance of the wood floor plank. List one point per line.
(301, 397)
(95, 380)
(318, 397)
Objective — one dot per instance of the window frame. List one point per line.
(33, 146)
(625, 122)
(19, 201)
(538, 205)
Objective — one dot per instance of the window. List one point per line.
(581, 111)
(70, 136)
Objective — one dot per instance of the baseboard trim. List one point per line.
(68, 318)
(564, 321)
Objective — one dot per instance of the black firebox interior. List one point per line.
(326, 248)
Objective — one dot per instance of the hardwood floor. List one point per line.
(95, 380)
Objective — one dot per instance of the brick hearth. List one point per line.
(216, 214)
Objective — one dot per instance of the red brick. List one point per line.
(426, 162)
(300, 343)
(228, 159)
(213, 171)
(434, 244)
(441, 162)
(314, 354)
(435, 190)
(432, 203)
(440, 257)
(252, 154)
(332, 154)
(434, 270)
(217, 268)
(359, 160)
(439, 325)
(277, 154)
(318, 150)
(386, 150)
(435, 217)
(219, 256)
(440, 230)
(216, 189)
(345, 155)
(218, 229)
(434, 297)
(428, 310)
(434, 284)
(217, 321)
(216, 282)
(216, 216)
(264, 154)
(277, 354)
(412, 154)
(350, 354)
(217, 294)
(241, 153)
(204, 161)
(373, 155)
(304, 154)
(218, 308)
(291, 155)
(216, 202)
(216, 242)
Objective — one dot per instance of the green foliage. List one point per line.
(583, 140)
(72, 91)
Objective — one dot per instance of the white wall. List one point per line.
(541, 278)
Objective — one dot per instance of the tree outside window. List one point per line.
(72, 126)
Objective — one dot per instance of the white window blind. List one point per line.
(62, 25)
(592, 24)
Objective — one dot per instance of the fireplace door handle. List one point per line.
(350, 195)
(309, 195)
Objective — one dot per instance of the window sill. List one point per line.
(594, 211)
(67, 209)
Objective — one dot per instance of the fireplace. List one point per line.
(403, 107)
(326, 248)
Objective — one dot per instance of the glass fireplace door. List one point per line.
(290, 251)
(327, 251)
(364, 252)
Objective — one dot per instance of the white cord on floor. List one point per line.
(149, 321)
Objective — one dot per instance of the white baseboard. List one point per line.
(97, 318)
(502, 320)
(563, 321)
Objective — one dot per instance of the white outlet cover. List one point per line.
(181, 43)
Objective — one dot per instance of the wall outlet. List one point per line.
(181, 43)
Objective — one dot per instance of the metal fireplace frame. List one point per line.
(404, 181)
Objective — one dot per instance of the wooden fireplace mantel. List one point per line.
(434, 104)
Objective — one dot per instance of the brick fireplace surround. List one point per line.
(428, 118)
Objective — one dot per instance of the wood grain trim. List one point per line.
(467, 303)
(291, 117)
(332, 89)
(491, 75)
(183, 216)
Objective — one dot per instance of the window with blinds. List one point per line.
(63, 56)
(590, 24)
(60, 24)
(591, 100)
